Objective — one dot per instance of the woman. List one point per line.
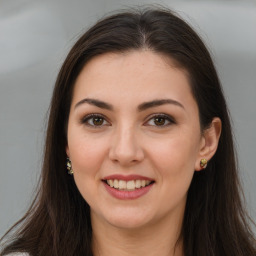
(139, 119)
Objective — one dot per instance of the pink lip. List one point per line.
(126, 177)
(128, 195)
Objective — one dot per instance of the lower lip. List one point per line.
(127, 195)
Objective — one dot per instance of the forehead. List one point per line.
(132, 75)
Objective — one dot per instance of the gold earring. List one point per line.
(69, 167)
(203, 163)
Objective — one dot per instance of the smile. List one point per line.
(129, 185)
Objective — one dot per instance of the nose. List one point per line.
(125, 148)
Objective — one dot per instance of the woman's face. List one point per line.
(133, 138)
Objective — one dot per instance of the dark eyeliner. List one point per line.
(85, 119)
(170, 119)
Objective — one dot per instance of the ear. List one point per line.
(67, 151)
(209, 142)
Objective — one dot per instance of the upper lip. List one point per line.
(127, 177)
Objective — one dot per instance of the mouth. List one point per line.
(130, 185)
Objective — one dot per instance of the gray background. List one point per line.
(35, 36)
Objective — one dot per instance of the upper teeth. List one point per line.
(128, 185)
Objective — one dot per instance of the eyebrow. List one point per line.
(143, 106)
(156, 103)
(94, 102)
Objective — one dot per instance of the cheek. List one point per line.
(174, 162)
(175, 155)
(87, 157)
(174, 165)
(87, 154)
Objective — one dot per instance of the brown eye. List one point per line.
(159, 120)
(97, 120)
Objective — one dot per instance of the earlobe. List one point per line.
(209, 145)
(67, 150)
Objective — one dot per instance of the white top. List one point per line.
(18, 254)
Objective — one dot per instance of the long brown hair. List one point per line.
(215, 223)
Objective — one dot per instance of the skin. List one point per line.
(128, 141)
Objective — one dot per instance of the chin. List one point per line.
(128, 223)
(129, 219)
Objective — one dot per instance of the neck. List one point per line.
(159, 239)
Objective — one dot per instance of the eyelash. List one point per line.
(87, 118)
(167, 118)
